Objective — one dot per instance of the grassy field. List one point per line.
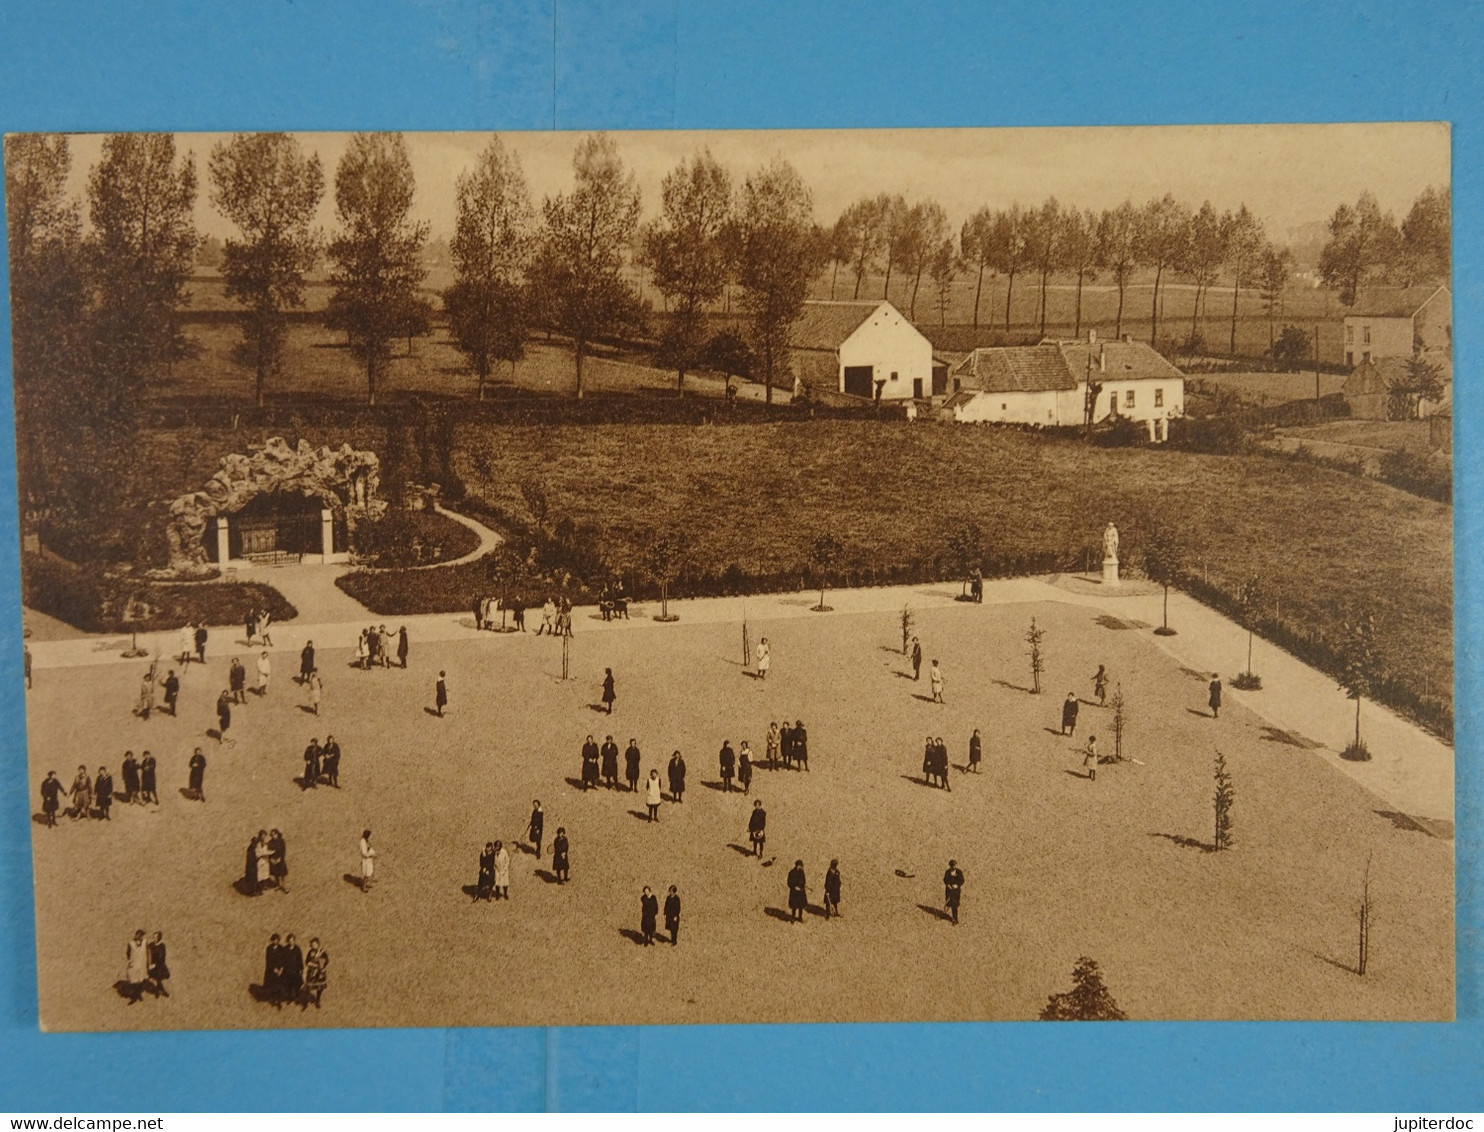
(1056, 866)
(1272, 388)
(1387, 436)
(1324, 543)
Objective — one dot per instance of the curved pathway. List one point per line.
(488, 540)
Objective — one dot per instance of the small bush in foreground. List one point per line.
(1087, 1001)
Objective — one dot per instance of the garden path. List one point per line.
(488, 539)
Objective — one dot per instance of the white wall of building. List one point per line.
(1376, 337)
(892, 346)
(1065, 408)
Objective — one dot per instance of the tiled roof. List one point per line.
(1121, 360)
(825, 325)
(1393, 302)
(1015, 369)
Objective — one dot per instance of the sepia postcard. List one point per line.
(494, 579)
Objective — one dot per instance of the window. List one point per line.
(1365, 335)
(893, 375)
(1159, 398)
(1128, 399)
(1349, 335)
(1003, 406)
(1365, 357)
(1349, 357)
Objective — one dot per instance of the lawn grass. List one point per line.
(1325, 544)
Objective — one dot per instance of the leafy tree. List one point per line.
(1243, 237)
(589, 233)
(1087, 1001)
(492, 244)
(1363, 245)
(684, 253)
(1118, 250)
(1079, 252)
(896, 232)
(727, 351)
(1360, 672)
(1008, 248)
(1163, 235)
(976, 241)
(1163, 560)
(860, 235)
(1422, 380)
(377, 252)
(1274, 267)
(1427, 236)
(778, 258)
(664, 554)
(1202, 257)
(1293, 348)
(268, 188)
(1033, 637)
(1222, 800)
(943, 270)
(825, 553)
(906, 620)
(538, 503)
(924, 231)
(1043, 231)
(966, 547)
(1119, 722)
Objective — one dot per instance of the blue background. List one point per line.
(533, 64)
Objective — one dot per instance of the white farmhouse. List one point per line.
(1050, 385)
(865, 349)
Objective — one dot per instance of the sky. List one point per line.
(1288, 175)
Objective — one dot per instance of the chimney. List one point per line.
(1092, 336)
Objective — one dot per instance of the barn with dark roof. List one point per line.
(865, 349)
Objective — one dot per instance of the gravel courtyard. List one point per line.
(1057, 866)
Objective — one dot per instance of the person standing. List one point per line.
(536, 827)
(386, 646)
(609, 754)
(316, 690)
(518, 612)
(916, 659)
(51, 797)
(158, 970)
(402, 647)
(103, 793)
(929, 762)
(744, 767)
(1069, 708)
(677, 777)
(1090, 758)
(316, 975)
(278, 861)
(223, 717)
(548, 618)
(757, 827)
(198, 776)
(561, 860)
(786, 744)
(368, 861)
(672, 915)
(728, 760)
(764, 658)
(440, 693)
(187, 643)
(273, 972)
(262, 861)
(502, 872)
(935, 678)
(149, 790)
(130, 772)
(265, 671)
(146, 703)
(330, 761)
(953, 889)
(479, 604)
(312, 756)
(265, 619)
(801, 744)
(798, 892)
(484, 887)
(1214, 699)
(589, 763)
(237, 681)
(292, 985)
(1100, 685)
(975, 751)
(250, 624)
(631, 758)
(608, 693)
(82, 795)
(306, 661)
(171, 684)
(941, 749)
(649, 908)
(653, 796)
(136, 966)
(773, 744)
(363, 650)
(201, 636)
(832, 890)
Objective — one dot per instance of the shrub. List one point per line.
(1356, 751)
(389, 542)
(1419, 474)
(1247, 682)
(1087, 1001)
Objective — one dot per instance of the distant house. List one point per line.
(1368, 389)
(1399, 322)
(1048, 385)
(866, 349)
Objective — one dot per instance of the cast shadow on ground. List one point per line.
(601, 709)
(1185, 842)
(720, 786)
(891, 649)
(1201, 714)
(923, 698)
(470, 890)
(40, 819)
(1014, 687)
(640, 814)
(745, 850)
(1195, 674)
(575, 783)
(1289, 738)
(434, 712)
(900, 675)
(548, 876)
(1078, 774)
(528, 849)
(918, 780)
(1348, 968)
(1056, 731)
(1402, 821)
(636, 938)
(129, 992)
(244, 887)
(213, 733)
(307, 710)
(189, 795)
(354, 881)
(780, 914)
(751, 675)
(936, 912)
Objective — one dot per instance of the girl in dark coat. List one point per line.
(798, 891)
(148, 791)
(608, 694)
(649, 910)
(677, 776)
(672, 916)
(273, 971)
(198, 776)
(131, 777)
(609, 754)
(293, 970)
(159, 971)
(560, 861)
(631, 759)
(801, 744)
(103, 792)
(589, 763)
(278, 861)
(485, 887)
(330, 761)
(402, 646)
(728, 760)
(316, 974)
(832, 890)
(975, 751)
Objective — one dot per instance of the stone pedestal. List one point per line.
(222, 552)
(327, 532)
(1110, 571)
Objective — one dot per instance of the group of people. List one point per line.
(935, 762)
(556, 618)
(145, 968)
(789, 743)
(798, 891)
(494, 861)
(169, 687)
(193, 640)
(291, 975)
(321, 764)
(649, 910)
(935, 674)
(377, 645)
(257, 623)
(93, 797)
(267, 863)
(485, 609)
(602, 762)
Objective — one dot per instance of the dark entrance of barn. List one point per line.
(277, 527)
(858, 381)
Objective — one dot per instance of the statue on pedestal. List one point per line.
(1110, 555)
